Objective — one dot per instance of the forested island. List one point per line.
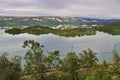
(38, 30)
(74, 66)
(112, 28)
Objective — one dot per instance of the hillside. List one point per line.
(52, 21)
(112, 28)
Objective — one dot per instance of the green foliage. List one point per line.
(38, 30)
(99, 74)
(10, 69)
(13, 31)
(53, 60)
(105, 64)
(59, 76)
(52, 67)
(11, 74)
(112, 28)
(115, 71)
(116, 56)
(71, 63)
(88, 58)
(34, 59)
(82, 76)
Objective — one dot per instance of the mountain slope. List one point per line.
(52, 21)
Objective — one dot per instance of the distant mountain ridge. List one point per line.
(53, 21)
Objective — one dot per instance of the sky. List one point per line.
(74, 8)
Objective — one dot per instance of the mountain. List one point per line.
(51, 21)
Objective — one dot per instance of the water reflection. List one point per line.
(102, 43)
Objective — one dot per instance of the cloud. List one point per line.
(89, 8)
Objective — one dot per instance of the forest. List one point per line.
(111, 28)
(37, 65)
(39, 29)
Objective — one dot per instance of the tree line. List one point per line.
(39, 30)
(38, 66)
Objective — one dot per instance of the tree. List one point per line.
(53, 59)
(4, 62)
(17, 61)
(88, 58)
(35, 64)
(105, 64)
(10, 68)
(71, 63)
(14, 69)
(115, 55)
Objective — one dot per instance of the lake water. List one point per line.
(101, 43)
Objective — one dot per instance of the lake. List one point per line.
(101, 43)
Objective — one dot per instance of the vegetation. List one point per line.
(10, 69)
(38, 30)
(112, 28)
(73, 66)
(38, 66)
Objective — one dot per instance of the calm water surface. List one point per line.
(101, 43)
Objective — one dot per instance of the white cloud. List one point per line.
(89, 8)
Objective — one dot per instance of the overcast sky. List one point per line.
(76, 8)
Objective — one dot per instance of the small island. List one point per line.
(112, 28)
(38, 30)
